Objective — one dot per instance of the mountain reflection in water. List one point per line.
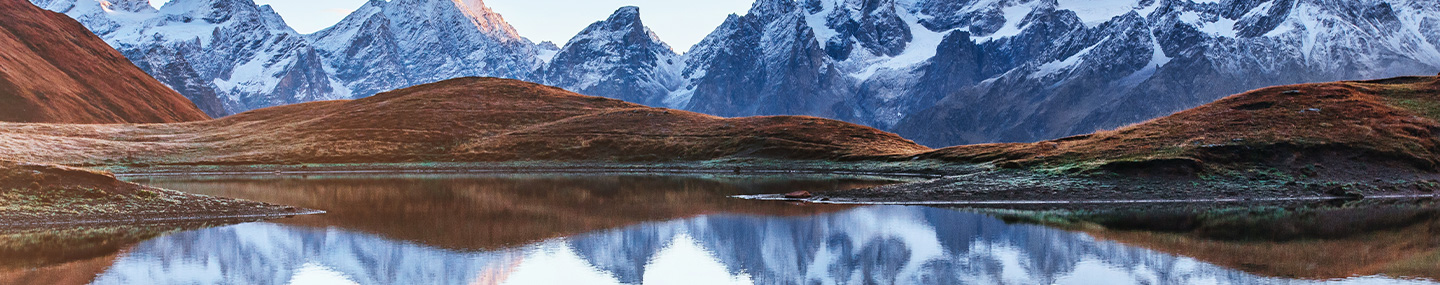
(770, 243)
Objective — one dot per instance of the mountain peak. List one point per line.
(627, 12)
(773, 7)
(617, 58)
(625, 18)
(476, 5)
(126, 5)
(483, 16)
(479, 15)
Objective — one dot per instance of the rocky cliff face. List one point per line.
(54, 71)
(943, 72)
(766, 62)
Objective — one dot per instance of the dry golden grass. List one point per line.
(468, 119)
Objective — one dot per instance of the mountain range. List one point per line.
(941, 72)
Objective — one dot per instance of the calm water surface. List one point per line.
(648, 229)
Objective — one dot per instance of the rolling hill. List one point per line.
(459, 120)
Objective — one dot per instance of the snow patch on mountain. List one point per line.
(1014, 24)
(1211, 24)
(1059, 66)
(1157, 59)
(920, 49)
(546, 51)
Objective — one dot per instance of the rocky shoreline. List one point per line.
(39, 195)
(961, 184)
(1018, 188)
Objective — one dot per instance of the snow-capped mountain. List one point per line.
(390, 45)
(618, 58)
(947, 72)
(1071, 67)
(245, 57)
(241, 54)
(942, 72)
(814, 57)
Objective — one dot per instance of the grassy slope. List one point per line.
(1349, 127)
(468, 120)
(1341, 139)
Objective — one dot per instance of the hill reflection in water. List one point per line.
(718, 241)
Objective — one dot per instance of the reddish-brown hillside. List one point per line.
(53, 70)
(1358, 129)
(466, 120)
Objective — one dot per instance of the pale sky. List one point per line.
(681, 23)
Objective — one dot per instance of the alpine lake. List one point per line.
(690, 229)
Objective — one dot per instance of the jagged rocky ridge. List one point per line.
(942, 72)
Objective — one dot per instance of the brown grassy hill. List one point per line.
(468, 119)
(53, 70)
(1343, 129)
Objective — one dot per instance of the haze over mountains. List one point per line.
(942, 72)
